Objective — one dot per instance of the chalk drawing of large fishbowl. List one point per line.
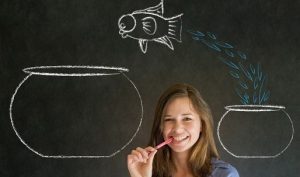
(76, 111)
(255, 131)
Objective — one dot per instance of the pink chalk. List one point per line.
(168, 141)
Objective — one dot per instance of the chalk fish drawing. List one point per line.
(150, 25)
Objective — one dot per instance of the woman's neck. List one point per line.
(180, 161)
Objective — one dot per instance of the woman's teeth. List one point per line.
(179, 138)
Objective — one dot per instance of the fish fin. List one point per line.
(158, 9)
(165, 40)
(175, 27)
(143, 45)
(149, 25)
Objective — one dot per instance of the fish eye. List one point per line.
(127, 23)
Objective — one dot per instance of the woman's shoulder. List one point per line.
(221, 168)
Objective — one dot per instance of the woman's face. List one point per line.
(182, 122)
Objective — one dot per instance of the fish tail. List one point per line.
(175, 27)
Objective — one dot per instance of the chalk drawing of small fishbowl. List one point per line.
(76, 111)
(255, 131)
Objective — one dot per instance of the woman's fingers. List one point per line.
(131, 159)
(140, 160)
(143, 152)
(152, 151)
(141, 155)
(138, 155)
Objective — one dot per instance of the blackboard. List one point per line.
(76, 97)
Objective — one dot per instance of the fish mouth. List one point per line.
(123, 34)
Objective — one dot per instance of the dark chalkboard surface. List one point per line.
(78, 94)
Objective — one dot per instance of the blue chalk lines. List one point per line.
(251, 84)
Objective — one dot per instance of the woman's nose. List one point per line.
(178, 127)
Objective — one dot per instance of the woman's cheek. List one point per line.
(167, 128)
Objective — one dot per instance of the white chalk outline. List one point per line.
(122, 27)
(157, 11)
(30, 71)
(255, 108)
(117, 70)
(145, 25)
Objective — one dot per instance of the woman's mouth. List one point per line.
(179, 139)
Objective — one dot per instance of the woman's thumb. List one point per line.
(151, 156)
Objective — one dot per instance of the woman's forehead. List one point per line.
(179, 105)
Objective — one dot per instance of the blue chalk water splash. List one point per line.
(251, 84)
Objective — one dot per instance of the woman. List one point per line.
(183, 115)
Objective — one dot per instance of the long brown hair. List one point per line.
(204, 149)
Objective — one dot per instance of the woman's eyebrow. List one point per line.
(187, 114)
(184, 114)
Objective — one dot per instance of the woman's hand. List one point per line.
(140, 161)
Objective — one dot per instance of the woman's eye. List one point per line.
(187, 119)
(167, 120)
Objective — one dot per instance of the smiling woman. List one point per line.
(182, 122)
(183, 115)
